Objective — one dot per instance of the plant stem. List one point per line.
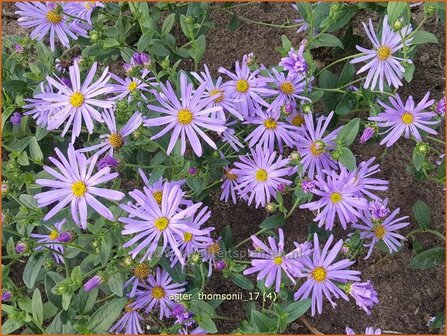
(433, 232)
(246, 240)
(435, 139)
(337, 61)
(297, 201)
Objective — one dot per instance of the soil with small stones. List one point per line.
(408, 298)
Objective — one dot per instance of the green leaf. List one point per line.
(157, 48)
(297, 309)
(327, 40)
(428, 259)
(51, 279)
(175, 272)
(32, 269)
(349, 131)
(418, 159)
(145, 39)
(14, 86)
(272, 222)
(347, 74)
(103, 318)
(241, 281)
(409, 72)
(167, 24)
(198, 49)
(37, 306)
(346, 104)
(115, 284)
(200, 307)
(234, 23)
(11, 325)
(87, 300)
(35, 151)
(421, 212)
(439, 321)
(422, 36)
(28, 201)
(262, 322)
(207, 323)
(347, 158)
(227, 236)
(395, 10)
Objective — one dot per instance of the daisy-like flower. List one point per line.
(229, 185)
(364, 294)
(338, 198)
(56, 235)
(37, 107)
(295, 62)
(211, 254)
(304, 26)
(271, 131)
(115, 139)
(127, 87)
(229, 136)
(405, 119)
(271, 261)
(440, 107)
(368, 330)
(129, 323)
(140, 275)
(83, 9)
(382, 64)
(76, 184)
(151, 221)
(382, 229)
(261, 174)
(185, 118)
(78, 102)
(221, 94)
(314, 147)
(288, 89)
(323, 275)
(247, 87)
(296, 118)
(157, 293)
(49, 18)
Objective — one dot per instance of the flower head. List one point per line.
(229, 185)
(364, 294)
(37, 107)
(56, 235)
(128, 87)
(83, 9)
(368, 331)
(130, 322)
(367, 134)
(295, 62)
(16, 118)
(108, 161)
(6, 296)
(76, 184)
(440, 107)
(405, 119)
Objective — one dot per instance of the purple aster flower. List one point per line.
(271, 131)
(229, 185)
(78, 102)
(140, 275)
(108, 161)
(211, 253)
(260, 174)
(296, 118)
(307, 185)
(323, 275)
(83, 9)
(93, 283)
(295, 62)
(382, 64)
(18, 48)
(229, 136)
(339, 197)
(157, 293)
(115, 139)
(305, 26)
(48, 18)
(405, 119)
(440, 107)
(142, 58)
(368, 331)
(6, 296)
(314, 146)
(247, 87)
(152, 221)
(221, 95)
(130, 322)
(127, 87)
(364, 294)
(367, 134)
(378, 209)
(271, 262)
(38, 107)
(186, 117)
(16, 118)
(382, 229)
(76, 184)
(55, 235)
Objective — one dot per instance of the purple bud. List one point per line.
(367, 134)
(364, 294)
(281, 187)
(20, 247)
(107, 161)
(18, 48)
(127, 67)
(378, 210)
(141, 59)
(16, 118)
(65, 237)
(192, 171)
(220, 265)
(178, 310)
(352, 88)
(289, 108)
(307, 185)
(6, 296)
(93, 283)
(440, 107)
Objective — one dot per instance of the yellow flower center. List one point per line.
(54, 235)
(230, 176)
(242, 86)
(220, 96)
(317, 148)
(270, 123)
(261, 175)
(383, 52)
(335, 197)
(128, 308)
(132, 86)
(278, 260)
(187, 237)
(141, 271)
(116, 140)
(77, 99)
(184, 116)
(214, 248)
(407, 118)
(287, 88)
(78, 189)
(319, 274)
(158, 195)
(54, 17)
(161, 223)
(158, 293)
(298, 120)
(379, 231)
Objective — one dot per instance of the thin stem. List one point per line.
(433, 232)
(257, 22)
(338, 61)
(246, 240)
(297, 201)
(435, 139)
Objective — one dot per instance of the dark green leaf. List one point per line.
(272, 222)
(207, 323)
(234, 22)
(115, 284)
(395, 10)
(297, 309)
(103, 318)
(14, 86)
(32, 268)
(327, 40)
(421, 212)
(241, 281)
(347, 159)
(35, 151)
(167, 24)
(349, 131)
(11, 325)
(347, 74)
(422, 36)
(227, 236)
(37, 306)
(428, 259)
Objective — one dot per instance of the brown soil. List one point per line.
(408, 297)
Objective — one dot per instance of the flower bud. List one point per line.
(94, 36)
(307, 108)
(295, 156)
(195, 258)
(397, 25)
(271, 207)
(18, 48)
(429, 9)
(192, 171)
(108, 161)
(48, 264)
(21, 247)
(422, 148)
(16, 118)
(165, 64)
(307, 185)
(93, 283)
(65, 237)
(6, 296)
(189, 20)
(367, 134)
(220, 265)
(440, 107)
